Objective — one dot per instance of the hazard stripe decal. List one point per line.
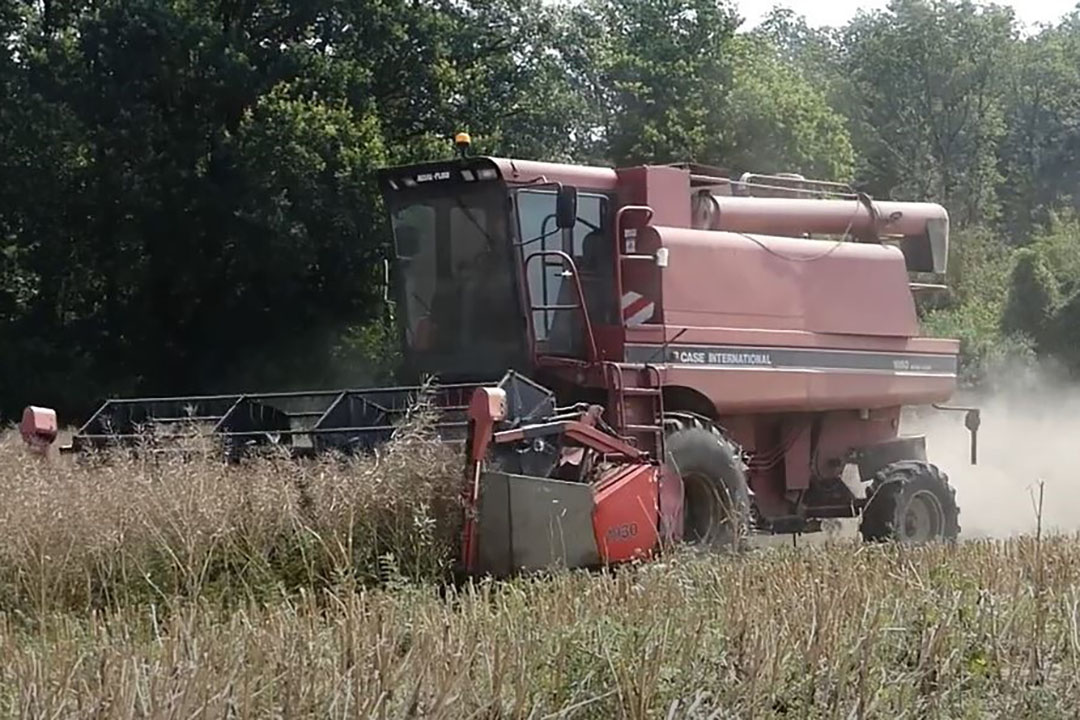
(782, 358)
(636, 308)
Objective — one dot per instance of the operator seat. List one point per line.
(595, 271)
(598, 277)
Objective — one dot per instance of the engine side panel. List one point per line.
(770, 324)
(726, 279)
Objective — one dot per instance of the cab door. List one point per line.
(553, 300)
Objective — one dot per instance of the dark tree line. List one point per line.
(186, 200)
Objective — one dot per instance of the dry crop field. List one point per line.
(139, 589)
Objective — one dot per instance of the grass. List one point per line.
(118, 531)
(824, 633)
(139, 589)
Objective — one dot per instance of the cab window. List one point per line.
(561, 331)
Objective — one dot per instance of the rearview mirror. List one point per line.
(566, 207)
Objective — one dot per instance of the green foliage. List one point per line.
(1032, 297)
(1041, 150)
(779, 122)
(1046, 290)
(815, 52)
(185, 186)
(1010, 305)
(1059, 244)
(977, 278)
(662, 77)
(205, 203)
(984, 348)
(366, 355)
(925, 100)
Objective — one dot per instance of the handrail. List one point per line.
(660, 443)
(615, 371)
(619, 251)
(845, 189)
(594, 355)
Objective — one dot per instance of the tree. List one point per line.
(1032, 297)
(926, 101)
(186, 198)
(671, 81)
(1041, 149)
(661, 77)
(191, 202)
(814, 52)
(1044, 293)
(779, 122)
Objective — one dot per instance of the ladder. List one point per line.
(646, 384)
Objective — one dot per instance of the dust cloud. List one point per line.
(1030, 432)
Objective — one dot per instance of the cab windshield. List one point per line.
(456, 282)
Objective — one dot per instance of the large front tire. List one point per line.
(910, 502)
(716, 495)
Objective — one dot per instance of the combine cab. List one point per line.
(637, 355)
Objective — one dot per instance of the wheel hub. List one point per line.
(923, 519)
(699, 508)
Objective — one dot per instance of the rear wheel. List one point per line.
(912, 503)
(716, 497)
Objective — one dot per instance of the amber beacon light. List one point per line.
(463, 141)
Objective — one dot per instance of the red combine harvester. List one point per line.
(636, 356)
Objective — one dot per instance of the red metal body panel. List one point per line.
(776, 294)
(786, 458)
(38, 428)
(797, 454)
(666, 190)
(581, 176)
(486, 407)
(802, 350)
(843, 429)
(627, 513)
(722, 279)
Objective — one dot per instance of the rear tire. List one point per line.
(716, 496)
(910, 502)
